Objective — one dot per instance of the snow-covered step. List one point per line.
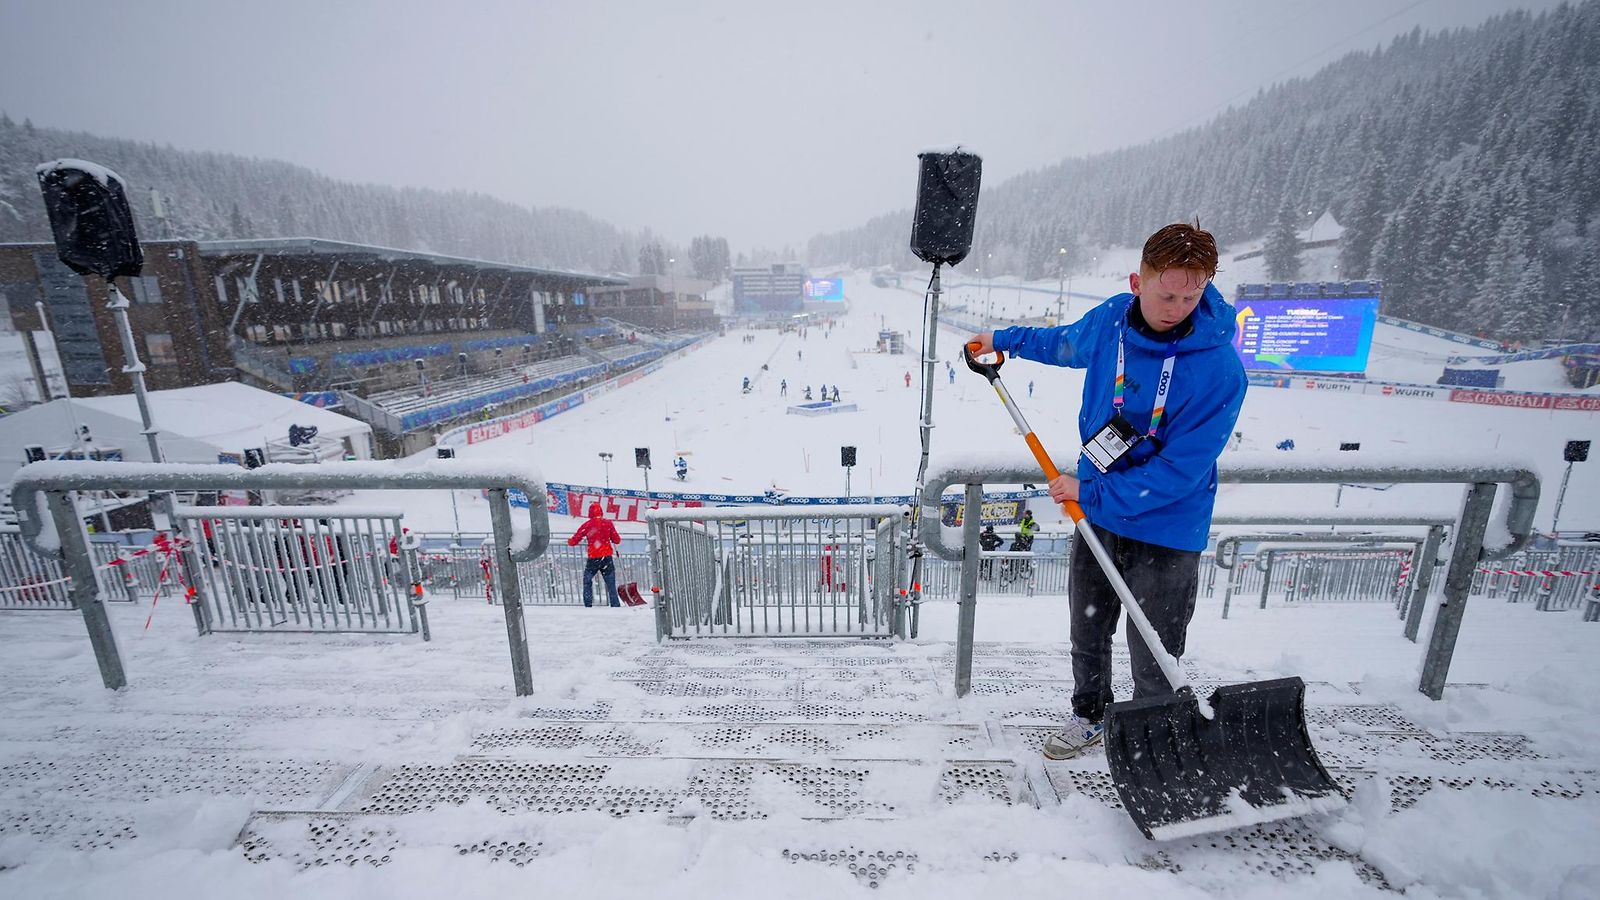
(764, 741)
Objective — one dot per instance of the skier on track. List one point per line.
(908, 379)
(600, 534)
(783, 388)
(682, 468)
(1161, 393)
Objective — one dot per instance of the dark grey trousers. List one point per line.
(1163, 580)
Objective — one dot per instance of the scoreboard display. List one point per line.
(1328, 334)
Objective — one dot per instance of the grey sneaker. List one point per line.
(1074, 739)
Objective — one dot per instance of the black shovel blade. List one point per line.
(1180, 774)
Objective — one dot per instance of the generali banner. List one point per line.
(1527, 401)
(1518, 399)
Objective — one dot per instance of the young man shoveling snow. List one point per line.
(1161, 393)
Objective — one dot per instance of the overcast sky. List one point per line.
(761, 122)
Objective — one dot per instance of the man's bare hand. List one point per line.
(1064, 488)
(986, 339)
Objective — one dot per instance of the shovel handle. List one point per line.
(1168, 665)
(1051, 473)
(991, 371)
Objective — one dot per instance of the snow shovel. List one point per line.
(1185, 766)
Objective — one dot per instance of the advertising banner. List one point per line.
(1527, 401)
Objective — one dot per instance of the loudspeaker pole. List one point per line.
(1561, 497)
(929, 357)
(162, 503)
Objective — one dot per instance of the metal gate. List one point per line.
(123, 572)
(280, 569)
(743, 571)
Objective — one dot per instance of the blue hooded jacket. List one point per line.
(1162, 492)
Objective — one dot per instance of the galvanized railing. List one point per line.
(29, 581)
(1481, 481)
(778, 572)
(1337, 561)
(1560, 579)
(48, 519)
(275, 568)
(123, 572)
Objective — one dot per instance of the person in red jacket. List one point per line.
(600, 534)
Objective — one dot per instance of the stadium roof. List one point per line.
(304, 246)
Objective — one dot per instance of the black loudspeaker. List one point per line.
(1350, 446)
(947, 206)
(446, 452)
(90, 218)
(847, 456)
(641, 457)
(254, 458)
(1576, 451)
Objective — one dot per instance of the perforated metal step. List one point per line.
(772, 741)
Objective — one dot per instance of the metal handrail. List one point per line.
(1258, 468)
(1021, 469)
(1228, 547)
(55, 482)
(73, 475)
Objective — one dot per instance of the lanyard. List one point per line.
(1161, 388)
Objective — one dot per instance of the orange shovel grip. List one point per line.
(1051, 473)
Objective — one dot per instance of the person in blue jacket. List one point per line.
(1161, 393)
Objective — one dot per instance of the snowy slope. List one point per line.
(738, 443)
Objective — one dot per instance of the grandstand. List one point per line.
(429, 403)
(447, 390)
(406, 341)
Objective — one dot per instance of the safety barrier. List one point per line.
(1337, 573)
(28, 581)
(461, 568)
(283, 569)
(1468, 550)
(122, 572)
(1553, 580)
(778, 572)
(51, 526)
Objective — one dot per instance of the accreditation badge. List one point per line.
(1111, 443)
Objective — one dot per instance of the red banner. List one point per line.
(617, 509)
(1526, 401)
(503, 426)
(1495, 398)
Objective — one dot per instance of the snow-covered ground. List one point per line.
(355, 766)
(786, 768)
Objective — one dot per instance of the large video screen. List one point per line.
(1326, 334)
(825, 289)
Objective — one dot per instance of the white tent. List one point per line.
(195, 424)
